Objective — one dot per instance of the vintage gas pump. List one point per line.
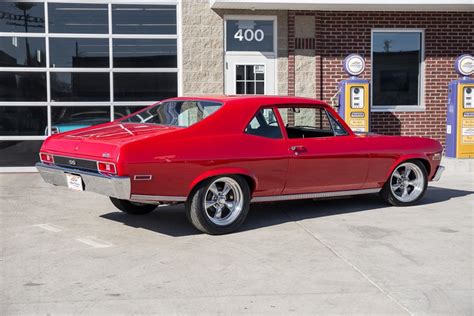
(354, 95)
(460, 115)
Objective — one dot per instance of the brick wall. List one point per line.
(337, 34)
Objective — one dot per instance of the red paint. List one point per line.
(179, 158)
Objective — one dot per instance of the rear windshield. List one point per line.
(175, 113)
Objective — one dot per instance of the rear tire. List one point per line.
(219, 205)
(406, 185)
(133, 208)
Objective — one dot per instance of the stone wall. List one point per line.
(203, 47)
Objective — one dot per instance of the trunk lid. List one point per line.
(102, 141)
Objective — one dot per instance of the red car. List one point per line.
(219, 154)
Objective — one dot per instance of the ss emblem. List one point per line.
(72, 162)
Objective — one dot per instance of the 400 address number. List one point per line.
(249, 35)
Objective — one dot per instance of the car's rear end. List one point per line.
(90, 159)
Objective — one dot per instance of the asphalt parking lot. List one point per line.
(67, 252)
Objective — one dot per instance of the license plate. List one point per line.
(74, 182)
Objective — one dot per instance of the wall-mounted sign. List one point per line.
(249, 35)
(354, 64)
(464, 65)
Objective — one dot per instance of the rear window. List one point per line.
(175, 113)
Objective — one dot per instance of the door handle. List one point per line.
(297, 149)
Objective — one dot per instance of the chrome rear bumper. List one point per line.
(114, 186)
(438, 173)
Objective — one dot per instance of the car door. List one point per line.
(323, 156)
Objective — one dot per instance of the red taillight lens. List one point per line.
(46, 158)
(106, 167)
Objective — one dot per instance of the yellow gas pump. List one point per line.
(354, 95)
(460, 114)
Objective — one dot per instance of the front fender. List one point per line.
(418, 156)
(223, 171)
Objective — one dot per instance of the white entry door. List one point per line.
(250, 75)
(250, 55)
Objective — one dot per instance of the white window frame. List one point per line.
(421, 79)
(111, 70)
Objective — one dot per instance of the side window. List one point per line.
(336, 126)
(306, 122)
(264, 124)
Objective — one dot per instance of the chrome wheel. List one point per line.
(223, 201)
(407, 182)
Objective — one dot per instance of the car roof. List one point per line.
(255, 100)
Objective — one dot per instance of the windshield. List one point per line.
(175, 113)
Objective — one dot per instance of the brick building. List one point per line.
(68, 64)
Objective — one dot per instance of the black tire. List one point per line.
(201, 219)
(132, 207)
(393, 199)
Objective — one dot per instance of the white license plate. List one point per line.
(74, 182)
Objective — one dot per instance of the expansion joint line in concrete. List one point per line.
(353, 266)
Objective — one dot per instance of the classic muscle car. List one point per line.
(219, 154)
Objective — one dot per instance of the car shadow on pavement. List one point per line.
(171, 220)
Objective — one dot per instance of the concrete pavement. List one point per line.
(68, 252)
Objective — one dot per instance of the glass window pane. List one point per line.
(249, 35)
(145, 86)
(67, 118)
(264, 124)
(23, 120)
(396, 68)
(78, 18)
(22, 17)
(22, 86)
(19, 153)
(144, 19)
(260, 88)
(79, 86)
(239, 70)
(124, 110)
(134, 53)
(239, 87)
(22, 52)
(79, 52)
(250, 87)
(306, 122)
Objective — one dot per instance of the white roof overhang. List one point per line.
(346, 5)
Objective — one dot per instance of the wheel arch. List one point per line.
(421, 158)
(246, 174)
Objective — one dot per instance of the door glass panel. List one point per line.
(78, 18)
(22, 52)
(21, 17)
(301, 122)
(79, 52)
(138, 53)
(23, 120)
(19, 153)
(136, 86)
(22, 86)
(67, 118)
(250, 79)
(80, 86)
(144, 19)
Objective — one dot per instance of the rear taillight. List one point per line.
(46, 158)
(106, 167)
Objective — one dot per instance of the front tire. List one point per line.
(219, 205)
(406, 185)
(133, 208)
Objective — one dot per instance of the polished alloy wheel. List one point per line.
(407, 182)
(223, 201)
